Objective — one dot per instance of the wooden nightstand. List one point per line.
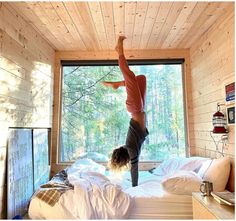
(208, 208)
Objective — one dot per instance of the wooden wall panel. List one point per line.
(26, 79)
(212, 66)
(95, 26)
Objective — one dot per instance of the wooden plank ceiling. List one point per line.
(94, 26)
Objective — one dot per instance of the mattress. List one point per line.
(149, 201)
(41, 210)
(151, 208)
(143, 208)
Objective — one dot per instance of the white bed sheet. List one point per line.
(149, 201)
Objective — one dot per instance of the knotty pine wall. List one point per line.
(212, 66)
(26, 82)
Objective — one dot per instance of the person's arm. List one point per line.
(134, 172)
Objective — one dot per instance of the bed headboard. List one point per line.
(231, 182)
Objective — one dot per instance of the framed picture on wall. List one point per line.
(41, 157)
(20, 171)
(28, 166)
(231, 115)
(230, 93)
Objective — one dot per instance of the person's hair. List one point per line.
(119, 158)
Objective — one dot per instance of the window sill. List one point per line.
(56, 167)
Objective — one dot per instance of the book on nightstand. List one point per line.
(225, 197)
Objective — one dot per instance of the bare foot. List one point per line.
(114, 85)
(119, 45)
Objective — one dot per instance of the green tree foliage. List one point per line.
(94, 117)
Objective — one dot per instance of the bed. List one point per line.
(151, 201)
(163, 193)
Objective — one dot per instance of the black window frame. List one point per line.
(180, 61)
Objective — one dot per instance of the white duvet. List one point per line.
(98, 198)
(93, 197)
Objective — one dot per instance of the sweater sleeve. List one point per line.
(134, 173)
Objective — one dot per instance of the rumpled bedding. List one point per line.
(51, 192)
(104, 195)
(93, 197)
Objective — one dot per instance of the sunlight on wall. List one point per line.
(26, 82)
(26, 96)
(13, 68)
(41, 94)
(43, 67)
(4, 132)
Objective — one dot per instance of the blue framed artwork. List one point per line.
(230, 92)
(19, 171)
(27, 167)
(41, 157)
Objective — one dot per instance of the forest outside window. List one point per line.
(94, 119)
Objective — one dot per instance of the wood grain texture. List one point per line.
(97, 16)
(26, 79)
(140, 16)
(30, 32)
(181, 25)
(200, 212)
(72, 29)
(95, 25)
(212, 66)
(208, 208)
(159, 23)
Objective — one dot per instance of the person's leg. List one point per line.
(114, 85)
(134, 100)
(141, 79)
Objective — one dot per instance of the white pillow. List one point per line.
(217, 172)
(85, 165)
(193, 163)
(182, 183)
(170, 166)
(204, 167)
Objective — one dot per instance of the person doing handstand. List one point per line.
(137, 132)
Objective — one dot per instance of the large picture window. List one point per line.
(94, 119)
